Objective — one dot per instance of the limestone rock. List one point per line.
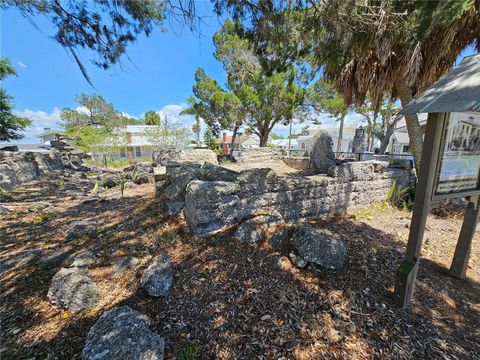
(157, 278)
(354, 171)
(279, 239)
(250, 232)
(198, 156)
(321, 154)
(319, 247)
(297, 260)
(120, 334)
(53, 260)
(259, 155)
(126, 263)
(40, 206)
(83, 259)
(79, 229)
(4, 210)
(71, 289)
(211, 172)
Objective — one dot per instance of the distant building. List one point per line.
(399, 142)
(241, 143)
(135, 141)
(49, 135)
(283, 144)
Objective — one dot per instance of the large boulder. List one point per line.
(120, 334)
(72, 289)
(179, 175)
(157, 278)
(319, 247)
(198, 156)
(80, 229)
(211, 172)
(321, 154)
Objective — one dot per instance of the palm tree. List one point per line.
(192, 109)
(397, 48)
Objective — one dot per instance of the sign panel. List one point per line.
(458, 170)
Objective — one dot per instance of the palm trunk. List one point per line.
(340, 134)
(413, 126)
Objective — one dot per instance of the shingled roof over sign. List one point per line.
(457, 91)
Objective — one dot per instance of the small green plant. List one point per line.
(61, 183)
(42, 217)
(401, 198)
(189, 353)
(95, 188)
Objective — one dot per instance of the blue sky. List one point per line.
(160, 76)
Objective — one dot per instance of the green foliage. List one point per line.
(3, 192)
(61, 182)
(276, 136)
(189, 353)
(95, 188)
(209, 139)
(42, 217)
(10, 124)
(152, 118)
(255, 97)
(400, 197)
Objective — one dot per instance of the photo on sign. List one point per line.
(460, 160)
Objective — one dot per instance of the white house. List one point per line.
(399, 142)
(49, 135)
(137, 141)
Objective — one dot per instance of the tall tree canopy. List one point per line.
(92, 122)
(152, 118)
(10, 124)
(369, 48)
(399, 48)
(255, 97)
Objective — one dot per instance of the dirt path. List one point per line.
(231, 300)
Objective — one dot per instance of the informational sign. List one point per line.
(458, 171)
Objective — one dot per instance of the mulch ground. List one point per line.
(230, 300)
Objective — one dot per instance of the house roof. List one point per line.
(239, 139)
(457, 91)
(49, 132)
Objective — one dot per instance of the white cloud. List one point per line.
(21, 64)
(40, 120)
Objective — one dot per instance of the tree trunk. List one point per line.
(197, 118)
(413, 126)
(340, 134)
(386, 138)
(234, 136)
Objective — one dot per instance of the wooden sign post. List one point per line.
(433, 185)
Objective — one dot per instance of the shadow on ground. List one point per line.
(231, 300)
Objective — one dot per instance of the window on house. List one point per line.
(123, 154)
(138, 152)
(303, 145)
(405, 149)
